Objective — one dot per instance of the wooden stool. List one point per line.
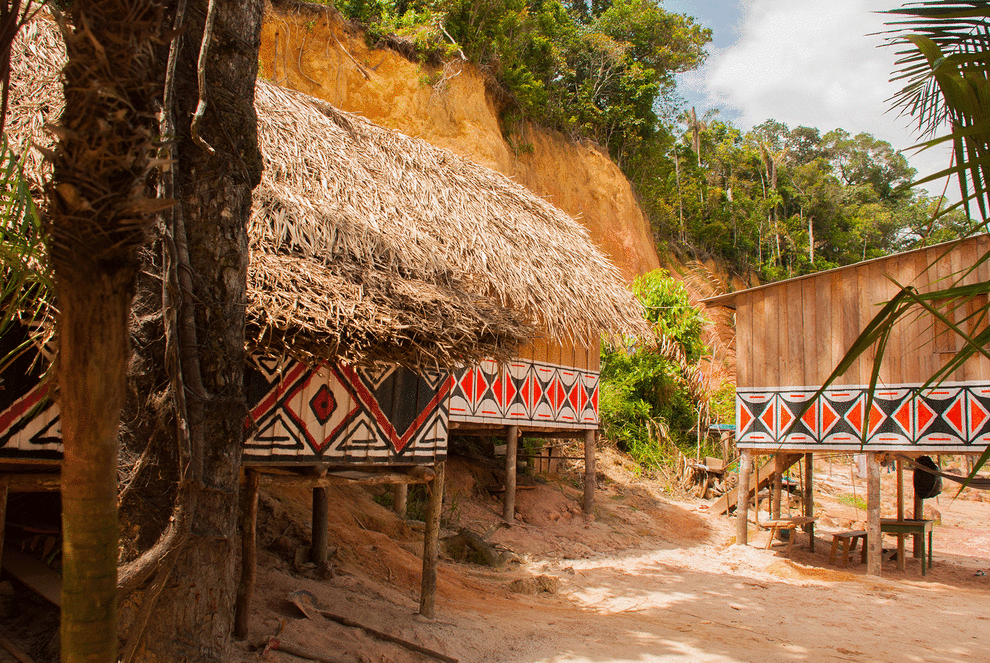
(848, 540)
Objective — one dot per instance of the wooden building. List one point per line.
(396, 290)
(791, 335)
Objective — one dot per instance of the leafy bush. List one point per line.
(646, 396)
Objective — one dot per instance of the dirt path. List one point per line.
(653, 579)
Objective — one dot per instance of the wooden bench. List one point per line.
(791, 525)
(848, 540)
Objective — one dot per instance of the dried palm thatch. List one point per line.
(367, 245)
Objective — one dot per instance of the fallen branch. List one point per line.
(294, 649)
(16, 651)
(306, 604)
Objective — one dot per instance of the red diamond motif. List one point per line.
(467, 384)
(594, 400)
(786, 416)
(977, 415)
(955, 415)
(855, 416)
(574, 398)
(480, 385)
(829, 417)
(556, 394)
(903, 417)
(767, 418)
(810, 416)
(745, 418)
(499, 389)
(876, 417)
(531, 392)
(926, 415)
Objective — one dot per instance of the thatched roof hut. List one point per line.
(369, 246)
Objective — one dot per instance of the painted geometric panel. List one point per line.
(944, 418)
(338, 413)
(29, 418)
(297, 414)
(528, 393)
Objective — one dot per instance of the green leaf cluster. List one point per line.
(646, 398)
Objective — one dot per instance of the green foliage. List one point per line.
(646, 402)
(26, 286)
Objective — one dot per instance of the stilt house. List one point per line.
(392, 286)
(791, 335)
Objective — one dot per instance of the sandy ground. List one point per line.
(654, 578)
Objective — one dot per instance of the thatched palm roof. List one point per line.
(367, 245)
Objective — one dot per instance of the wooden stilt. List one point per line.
(431, 545)
(778, 475)
(901, 562)
(509, 498)
(321, 532)
(809, 497)
(249, 555)
(400, 497)
(919, 513)
(590, 474)
(742, 499)
(4, 488)
(874, 554)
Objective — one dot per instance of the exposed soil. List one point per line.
(653, 578)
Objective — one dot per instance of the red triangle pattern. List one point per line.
(876, 417)
(977, 415)
(810, 417)
(903, 416)
(768, 419)
(480, 385)
(955, 416)
(926, 415)
(745, 418)
(855, 416)
(829, 418)
(786, 417)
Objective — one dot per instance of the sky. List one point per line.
(802, 62)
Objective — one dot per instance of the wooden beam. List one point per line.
(415, 475)
(33, 483)
(742, 501)
(874, 553)
(509, 498)
(249, 555)
(590, 474)
(400, 497)
(901, 562)
(4, 485)
(809, 497)
(320, 526)
(431, 545)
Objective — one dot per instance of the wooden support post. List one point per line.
(509, 498)
(901, 562)
(590, 474)
(4, 488)
(874, 554)
(431, 545)
(321, 531)
(742, 499)
(919, 514)
(809, 497)
(400, 497)
(778, 475)
(249, 555)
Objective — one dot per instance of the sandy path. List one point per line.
(653, 580)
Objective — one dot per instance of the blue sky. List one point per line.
(802, 62)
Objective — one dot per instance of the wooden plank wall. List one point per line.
(793, 334)
(587, 358)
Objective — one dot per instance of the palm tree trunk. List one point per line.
(98, 212)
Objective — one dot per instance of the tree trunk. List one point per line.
(193, 618)
(98, 210)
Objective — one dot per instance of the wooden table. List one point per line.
(792, 525)
(894, 526)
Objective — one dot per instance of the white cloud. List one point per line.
(812, 63)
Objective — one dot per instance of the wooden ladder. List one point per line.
(764, 476)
